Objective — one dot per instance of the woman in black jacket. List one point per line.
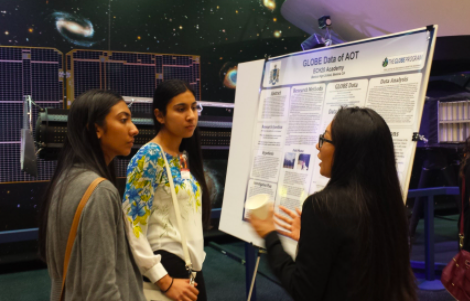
(353, 241)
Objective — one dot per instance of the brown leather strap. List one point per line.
(73, 229)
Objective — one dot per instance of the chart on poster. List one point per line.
(299, 96)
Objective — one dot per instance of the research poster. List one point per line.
(299, 95)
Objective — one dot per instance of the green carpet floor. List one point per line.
(225, 277)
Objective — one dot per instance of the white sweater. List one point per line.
(150, 215)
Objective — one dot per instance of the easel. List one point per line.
(252, 264)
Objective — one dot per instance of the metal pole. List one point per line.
(250, 257)
(255, 272)
(429, 238)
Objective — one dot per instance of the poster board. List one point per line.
(283, 104)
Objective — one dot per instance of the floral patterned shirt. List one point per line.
(149, 211)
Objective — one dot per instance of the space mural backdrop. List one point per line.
(223, 33)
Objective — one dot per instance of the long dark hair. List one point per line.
(81, 147)
(162, 96)
(364, 184)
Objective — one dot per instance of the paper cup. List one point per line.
(258, 205)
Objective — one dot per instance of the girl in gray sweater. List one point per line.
(99, 128)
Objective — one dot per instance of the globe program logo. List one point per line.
(385, 63)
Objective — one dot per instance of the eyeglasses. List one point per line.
(322, 139)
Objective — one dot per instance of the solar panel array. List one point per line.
(129, 74)
(39, 72)
(26, 71)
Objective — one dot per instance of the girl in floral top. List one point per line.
(153, 232)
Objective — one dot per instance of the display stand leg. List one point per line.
(252, 257)
(431, 283)
(253, 280)
(251, 253)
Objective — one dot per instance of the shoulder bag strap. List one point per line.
(187, 259)
(73, 229)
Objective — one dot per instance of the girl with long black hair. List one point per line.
(153, 231)
(99, 128)
(353, 241)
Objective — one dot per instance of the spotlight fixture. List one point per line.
(324, 22)
(317, 40)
